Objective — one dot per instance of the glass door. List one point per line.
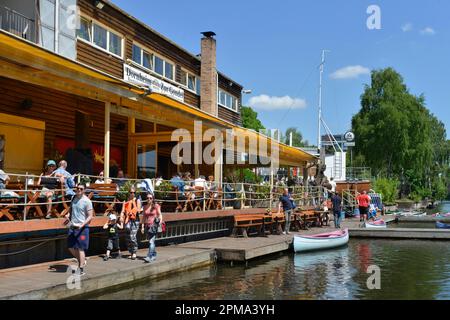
(146, 161)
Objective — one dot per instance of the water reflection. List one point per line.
(409, 270)
(325, 274)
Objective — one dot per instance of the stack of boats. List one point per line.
(411, 214)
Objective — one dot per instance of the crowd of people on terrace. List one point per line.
(142, 212)
(56, 178)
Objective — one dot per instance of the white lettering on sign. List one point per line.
(136, 76)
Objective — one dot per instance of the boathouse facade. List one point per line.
(109, 88)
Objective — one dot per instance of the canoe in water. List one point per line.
(321, 241)
(441, 225)
(379, 224)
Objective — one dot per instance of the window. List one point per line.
(147, 60)
(85, 29)
(190, 81)
(137, 54)
(100, 36)
(115, 44)
(227, 100)
(159, 66)
(168, 73)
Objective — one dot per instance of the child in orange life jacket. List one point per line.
(130, 217)
(112, 227)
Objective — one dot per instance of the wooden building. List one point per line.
(108, 92)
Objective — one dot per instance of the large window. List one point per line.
(100, 36)
(227, 100)
(190, 81)
(153, 62)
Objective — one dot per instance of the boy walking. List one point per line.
(112, 228)
(79, 218)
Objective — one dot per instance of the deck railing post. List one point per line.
(242, 196)
(25, 197)
(204, 199)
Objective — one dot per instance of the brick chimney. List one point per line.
(208, 77)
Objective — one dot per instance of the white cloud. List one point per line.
(268, 103)
(407, 27)
(350, 72)
(428, 31)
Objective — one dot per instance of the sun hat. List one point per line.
(51, 163)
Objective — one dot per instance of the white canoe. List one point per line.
(380, 224)
(321, 241)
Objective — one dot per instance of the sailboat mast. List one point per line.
(319, 126)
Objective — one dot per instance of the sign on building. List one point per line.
(138, 77)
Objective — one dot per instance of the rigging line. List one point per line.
(300, 91)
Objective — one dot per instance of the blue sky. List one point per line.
(274, 49)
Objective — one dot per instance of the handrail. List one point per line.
(229, 193)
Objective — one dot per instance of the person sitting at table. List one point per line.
(120, 181)
(49, 183)
(177, 182)
(4, 178)
(200, 182)
(100, 179)
(188, 183)
(211, 184)
(65, 176)
(228, 191)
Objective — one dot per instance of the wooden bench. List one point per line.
(278, 221)
(305, 219)
(103, 192)
(8, 203)
(244, 223)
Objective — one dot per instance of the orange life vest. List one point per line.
(131, 210)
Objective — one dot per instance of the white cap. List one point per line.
(112, 217)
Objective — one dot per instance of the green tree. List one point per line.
(396, 134)
(250, 119)
(297, 138)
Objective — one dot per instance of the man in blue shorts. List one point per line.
(80, 215)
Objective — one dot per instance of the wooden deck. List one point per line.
(98, 221)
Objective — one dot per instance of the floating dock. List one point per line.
(242, 250)
(401, 233)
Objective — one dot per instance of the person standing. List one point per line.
(130, 218)
(79, 217)
(151, 219)
(337, 209)
(286, 201)
(363, 203)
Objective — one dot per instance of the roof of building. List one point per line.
(115, 7)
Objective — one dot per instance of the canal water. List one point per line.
(408, 269)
